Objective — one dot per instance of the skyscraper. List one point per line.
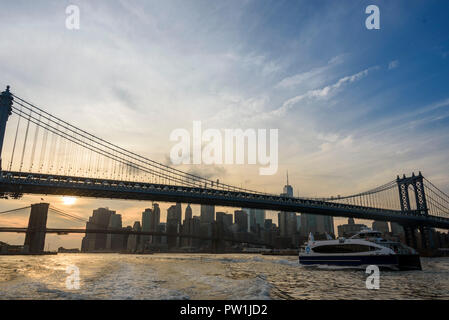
(207, 214)
(287, 220)
(256, 217)
(146, 227)
(134, 239)
(396, 229)
(316, 224)
(114, 242)
(188, 213)
(287, 223)
(381, 226)
(349, 229)
(174, 214)
(155, 217)
(241, 220)
(225, 219)
(99, 220)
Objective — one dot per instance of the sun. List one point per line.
(68, 200)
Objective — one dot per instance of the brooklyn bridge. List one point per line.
(42, 154)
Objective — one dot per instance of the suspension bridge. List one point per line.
(43, 154)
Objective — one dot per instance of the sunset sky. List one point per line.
(354, 107)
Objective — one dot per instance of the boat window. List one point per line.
(344, 248)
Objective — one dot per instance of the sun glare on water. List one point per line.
(68, 200)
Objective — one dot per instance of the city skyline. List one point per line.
(164, 208)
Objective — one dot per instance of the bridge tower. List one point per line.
(37, 224)
(416, 184)
(6, 100)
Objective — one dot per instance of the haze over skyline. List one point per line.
(354, 107)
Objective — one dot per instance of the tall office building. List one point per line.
(99, 220)
(287, 220)
(207, 214)
(134, 243)
(396, 229)
(288, 189)
(256, 217)
(174, 214)
(298, 223)
(147, 215)
(188, 213)
(316, 224)
(114, 242)
(224, 219)
(381, 226)
(241, 220)
(155, 217)
(349, 229)
(192, 226)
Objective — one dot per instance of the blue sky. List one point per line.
(354, 107)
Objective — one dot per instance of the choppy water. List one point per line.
(195, 276)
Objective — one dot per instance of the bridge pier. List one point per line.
(37, 225)
(426, 238)
(410, 237)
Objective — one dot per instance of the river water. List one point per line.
(206, 276)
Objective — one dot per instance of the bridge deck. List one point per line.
(18, 183)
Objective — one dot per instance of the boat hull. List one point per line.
(396, 262)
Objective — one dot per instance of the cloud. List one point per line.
(323, 92)
(314, 75)
(393, 64)
(207, 172)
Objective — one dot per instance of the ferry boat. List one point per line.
(365, 248)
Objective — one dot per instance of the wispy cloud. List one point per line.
(393, 64)
(323, 92)
(314, 75)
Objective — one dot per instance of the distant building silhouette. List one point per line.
(99, 221)
(241, 220)
(134, 243)
(114, 242)
(381, 226)
(207, 214)
(349, 229)
(188, 213)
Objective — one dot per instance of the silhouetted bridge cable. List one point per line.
(48, 155)
(15, 210)
(126, 164)
(382, 197)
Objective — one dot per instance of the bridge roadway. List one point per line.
(16, 184)
(64, 231)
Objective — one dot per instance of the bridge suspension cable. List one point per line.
(14, 210)
(94, 156)
(437, 200)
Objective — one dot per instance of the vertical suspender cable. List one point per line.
(25, 142)
(36, 133)
(15, 141)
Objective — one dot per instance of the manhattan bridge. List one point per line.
(44, 155)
